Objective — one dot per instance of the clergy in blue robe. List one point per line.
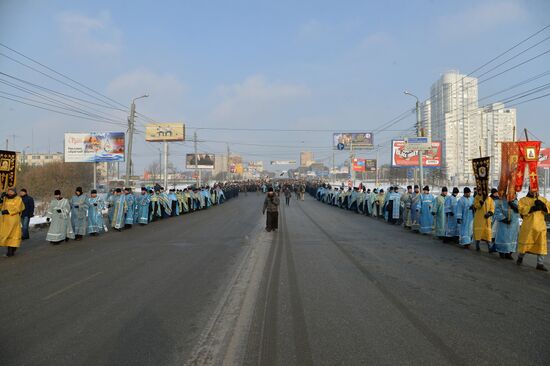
(465, 218)
(165, 204)
(110, 204)
(130, 208)
(95, 214)
(142, 207)
(415, 225)
(385, 203)
(424, 209)
(506, 239)
(393, 205)
(438, 212)
(119, 210)
(78, 213)
(451, 228)
(173, 202)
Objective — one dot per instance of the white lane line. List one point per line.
(71, 286)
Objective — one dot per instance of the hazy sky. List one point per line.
(262, 64)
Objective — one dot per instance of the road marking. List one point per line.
(71, 286)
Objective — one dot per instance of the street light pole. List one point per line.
(419, 133)
(131, 139)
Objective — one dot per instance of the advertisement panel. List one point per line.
(358, 165)
(370, 165)
(355, 140)
(544, 158)
(402, 157)
(283, 162)
(201, 161)
(94, 147)
(165, 132)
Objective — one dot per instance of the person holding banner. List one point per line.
(465, 218)
(484, 209)
(507, 215)
(10, 221)
(532, 234)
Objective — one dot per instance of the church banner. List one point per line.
(528, 155)
(7, 169)
(481, 173)
(509, 165)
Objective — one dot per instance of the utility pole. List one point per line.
(420, 134)
(165, 164)
(160, 166)
(197, 181)
(130, 140)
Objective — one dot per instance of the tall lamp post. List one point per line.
(130, 139)
(419, 133)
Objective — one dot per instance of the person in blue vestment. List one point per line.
(165, 204)
(415, 225)
(119, 210)
(507, 215)
(385, 204)
(220, 196)
(173, 202)
(110, 204)
(95, 213)
(451, 228)
(465, 218)
(130, 208)
(142, 207)
(424, 210)
(78, 213)
(393, 204)
(438, 212)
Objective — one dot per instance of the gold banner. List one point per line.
(7, 169)
(481, 172)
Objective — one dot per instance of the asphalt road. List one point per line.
(329, 288)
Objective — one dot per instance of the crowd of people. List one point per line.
(83, 214)
(505, 226)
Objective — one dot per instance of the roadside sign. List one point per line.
(418, 143)
(340, 146)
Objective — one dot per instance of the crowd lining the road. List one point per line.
(466, 220)
(83, 214)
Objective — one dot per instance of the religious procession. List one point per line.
(493, 217)
(90, 214)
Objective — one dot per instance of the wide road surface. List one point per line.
(329, 288)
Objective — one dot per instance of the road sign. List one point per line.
(418, 143)
(340, 146)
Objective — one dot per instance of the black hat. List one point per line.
(494, 190)
(78, 189)
(270, 189)
(467, 190)
(143, 189)
(118, 190)
(455, 190)
(93, 191)
(444, 189)
(23, 190)
(409, 187)
(416, 186)
(426, 188)
(57, 192)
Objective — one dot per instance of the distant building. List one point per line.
(306, 158)
(39, 159)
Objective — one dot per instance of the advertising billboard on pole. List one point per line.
(201, 161)
(403, 157)
(165, 132)
(94, 147)
(352, 140)
(544, 158)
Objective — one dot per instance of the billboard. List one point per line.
(201, 161)
(364, 165)
(165, 132)
(283, 162)
(544, 158)
(370, 165)
(94, 147)
(402, 157)
(352, 140)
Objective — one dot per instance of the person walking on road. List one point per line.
(10, 221)
(271, 206)
(60, 221)
(484, 208)
(288, 194)
(79, 209)
(465, 218)
(532, 234)
(26, 216)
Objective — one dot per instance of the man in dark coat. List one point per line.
(271, 206)
(28, 201)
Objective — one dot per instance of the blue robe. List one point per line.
(78, 214)
(95, 215)
(464, 213)
(415, 214)
(130, 209)
(424, 208)
(174, 203)
(506, 239)
(110, 206)
(142, 209)
(119, 210)
(395, 198)
(438, 211)
(451, 228)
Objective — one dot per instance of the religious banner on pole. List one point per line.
(509, 164)
(7, 169)
(481, 173)
(528, 155)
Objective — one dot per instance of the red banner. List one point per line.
(528, 155)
